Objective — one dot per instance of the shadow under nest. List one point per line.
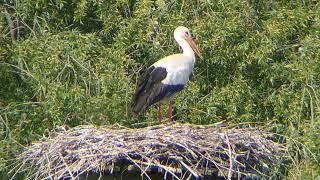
(181, 151)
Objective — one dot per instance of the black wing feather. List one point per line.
(148, 89)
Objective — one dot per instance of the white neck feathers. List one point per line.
(187, 50)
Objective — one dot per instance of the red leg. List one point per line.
(170, 111)
(159, 113)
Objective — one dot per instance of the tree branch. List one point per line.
(10, 22)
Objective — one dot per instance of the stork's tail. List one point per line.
(138, 106)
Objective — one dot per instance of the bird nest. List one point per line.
(181, 150)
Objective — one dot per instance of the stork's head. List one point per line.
(183, 33)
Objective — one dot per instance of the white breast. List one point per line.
(179, 68)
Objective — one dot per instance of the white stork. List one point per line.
(166, 77)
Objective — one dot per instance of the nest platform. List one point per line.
(182, 151)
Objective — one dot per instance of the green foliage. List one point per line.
(76, 62)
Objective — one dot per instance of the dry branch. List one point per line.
(179, 149)
(9, 21)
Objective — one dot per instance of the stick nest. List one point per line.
(183, 150)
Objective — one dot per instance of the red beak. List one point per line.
(193, 45)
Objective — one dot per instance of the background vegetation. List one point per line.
(68, 62)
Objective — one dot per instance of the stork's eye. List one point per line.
(187, 33)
